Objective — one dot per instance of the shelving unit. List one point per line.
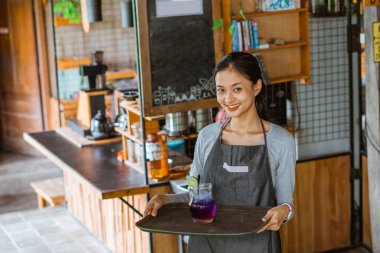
(184, 137)
(133, 115)
(127, 135)
(151, 126)
(277, 47)
(289, 78)
(269, 13)
(284, 63)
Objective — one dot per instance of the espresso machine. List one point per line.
(94, 73)
(91, 95)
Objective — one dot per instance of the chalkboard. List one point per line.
(181, 58)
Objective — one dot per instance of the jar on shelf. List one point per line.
(131, 151)
(138, 153)
(136, 130)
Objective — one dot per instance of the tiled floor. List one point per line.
(17, 171)
(46, 230)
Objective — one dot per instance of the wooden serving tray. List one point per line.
(174, 218)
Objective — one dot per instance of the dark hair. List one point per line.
(248, 66)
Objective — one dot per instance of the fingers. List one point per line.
(148, 209)
(274, 223)
(268, 216)
(263, 228)
(154, 204)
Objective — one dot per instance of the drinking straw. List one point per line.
(199, 181)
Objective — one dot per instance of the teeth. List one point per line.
(233, 106)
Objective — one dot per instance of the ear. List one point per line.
(257, 87)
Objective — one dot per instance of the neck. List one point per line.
(247, 122)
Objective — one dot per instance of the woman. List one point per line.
(245, 139)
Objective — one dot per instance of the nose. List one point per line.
(229, 96)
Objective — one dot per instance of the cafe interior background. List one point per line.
(87, 87)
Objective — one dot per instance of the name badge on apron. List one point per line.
(235, 168)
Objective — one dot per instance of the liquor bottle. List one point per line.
(164, 159)
(153, 147)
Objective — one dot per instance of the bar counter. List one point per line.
(98, 190)
(95, 165)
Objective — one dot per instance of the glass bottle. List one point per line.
(153, 147)
(164, 160)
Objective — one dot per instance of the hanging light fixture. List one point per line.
(126, 13)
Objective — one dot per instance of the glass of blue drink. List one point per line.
(202, 206)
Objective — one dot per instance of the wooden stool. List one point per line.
(49, 191)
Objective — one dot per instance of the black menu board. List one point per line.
(181, 51)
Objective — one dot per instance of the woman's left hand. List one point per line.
(275, 218)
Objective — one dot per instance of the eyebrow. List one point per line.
(232, 85)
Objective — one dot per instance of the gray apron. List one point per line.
(250, 186)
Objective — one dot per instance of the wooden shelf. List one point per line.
(59, 21)
(184, 137)
(133, 107)
(72, 63)
(271, 48)
(120, 75)
(128, 136)
(289, 78)
(269, 13)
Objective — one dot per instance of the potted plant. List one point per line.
(69, 10)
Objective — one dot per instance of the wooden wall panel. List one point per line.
(367, 238)
(20, 89)
(5, 50)
(112, 221)
(43, 63)
(322, 207)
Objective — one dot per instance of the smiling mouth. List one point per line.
(233, 107)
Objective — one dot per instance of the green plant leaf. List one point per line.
(241, 12)
(231, 29)
(57, 8)
(218, 23)
(69, 9)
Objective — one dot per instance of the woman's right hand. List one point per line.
(156, 203)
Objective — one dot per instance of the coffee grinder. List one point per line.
(91, 98)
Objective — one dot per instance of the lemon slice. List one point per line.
(192, 182)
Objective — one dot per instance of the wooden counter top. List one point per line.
(94, 165)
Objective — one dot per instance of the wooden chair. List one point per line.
(49, 191)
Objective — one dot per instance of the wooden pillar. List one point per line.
(372, 14)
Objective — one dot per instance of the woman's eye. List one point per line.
(220, 90)
(237, 89)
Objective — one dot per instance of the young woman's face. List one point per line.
(235, 93)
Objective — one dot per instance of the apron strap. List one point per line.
(223, 125)
(265, 136)
(267, 154)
